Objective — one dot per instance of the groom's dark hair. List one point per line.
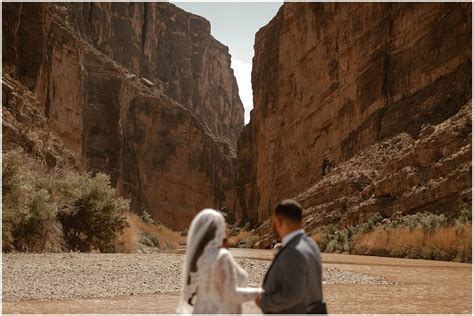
(290, 209)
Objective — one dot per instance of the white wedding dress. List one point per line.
(213, 283)
(222, 287)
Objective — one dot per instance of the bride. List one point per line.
(212, 281)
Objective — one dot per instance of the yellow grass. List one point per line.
(130, 239)
(234, 240)
(445, 243)
(318, 238)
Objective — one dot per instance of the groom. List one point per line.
(293, 282)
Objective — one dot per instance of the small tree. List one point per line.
(36, 226)
(29, 212)
(94, 216)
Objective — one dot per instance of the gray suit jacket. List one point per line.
(294, 280)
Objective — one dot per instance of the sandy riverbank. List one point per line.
(150, 283)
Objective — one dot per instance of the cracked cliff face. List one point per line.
(331, 79)
(358, 108)
(172, 48)
(398, 176)
(141, 92)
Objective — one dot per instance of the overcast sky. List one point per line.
(234, 24)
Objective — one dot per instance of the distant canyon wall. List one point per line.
(359, 108)
(332, 79)
(140, 91)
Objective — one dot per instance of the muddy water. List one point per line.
(422, 287)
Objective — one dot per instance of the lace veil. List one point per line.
(204, 221)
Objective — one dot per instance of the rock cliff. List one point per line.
(359, 108)
(330, 80)
(139, 91)
(398, 176)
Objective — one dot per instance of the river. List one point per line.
(417, 286)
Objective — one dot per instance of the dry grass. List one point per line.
(318, 238)
(235, 240)
(443, 243)
(130, 239)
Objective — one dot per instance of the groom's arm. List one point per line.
(290, 285)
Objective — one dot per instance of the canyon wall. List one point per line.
(332, 79)
(359, 108)
(173, 48)
(139, 91)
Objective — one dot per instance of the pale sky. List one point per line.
(234, 24)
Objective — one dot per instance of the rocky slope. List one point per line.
(398, 176)
(25, 127)
(332, 79)
(139, 91)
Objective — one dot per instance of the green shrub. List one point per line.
(234, 231)
(54, 211)
(464, 217)
(426, 221)
(421, 235)
(149, 239)
(36, 228)
(248, 241)
(29, 213)
(146, 217)
(92, 218)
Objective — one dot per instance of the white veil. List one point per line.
(198, 229)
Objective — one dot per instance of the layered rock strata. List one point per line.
(25, 127)
(398, 176)
(332, 79)
(141, 92)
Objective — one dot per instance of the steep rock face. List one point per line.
(331, 79)
(161, 155)
(398, 176)
(172, 48)
(171, 150)
(25, 127)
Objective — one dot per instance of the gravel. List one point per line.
(79, 275)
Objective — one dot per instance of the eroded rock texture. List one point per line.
(141, 92)
(398, 176)
(332, 79)
(25, 127)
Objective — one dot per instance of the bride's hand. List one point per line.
(259, 297)
(257, 300)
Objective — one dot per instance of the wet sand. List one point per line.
(422, 286)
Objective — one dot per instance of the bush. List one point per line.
(443, 243)
(248, 241)
(421, 235)
(149, 239)
(93, 215)
(29, 212)
(234, 231)
(54, 211)
(36, 228)
(423, 220)
(140, 234)
(146, 217)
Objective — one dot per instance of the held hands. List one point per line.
(259, 297)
